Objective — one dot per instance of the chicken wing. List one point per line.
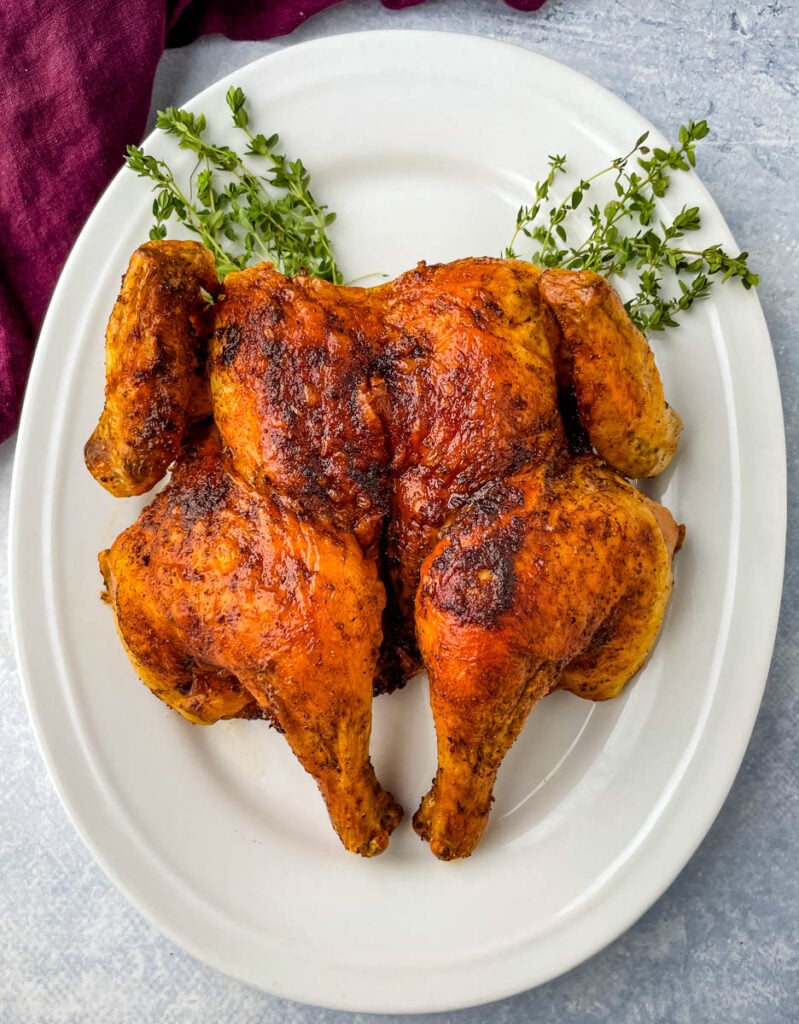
(155, 354)
(610, 368)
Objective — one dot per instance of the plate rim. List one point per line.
(771, 425)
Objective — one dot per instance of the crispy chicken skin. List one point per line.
(427, 471)
(556, 576)
(471, 397)
(154, 356)
(387, 405)
(226, 600)
(291, 376)
(611, 369)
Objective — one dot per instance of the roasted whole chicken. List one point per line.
(365, 481)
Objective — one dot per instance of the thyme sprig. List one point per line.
(627, 235)
(240, 215)
(245, 217)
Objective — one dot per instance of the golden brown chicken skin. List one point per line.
(471, 396)
(610, 368)
(413, 431)
(387, 407)
(224, 596)
(300, 401)
(155, 354)
(556, 576)
(294, 395)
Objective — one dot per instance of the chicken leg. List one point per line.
(556, 564)
(217, 581)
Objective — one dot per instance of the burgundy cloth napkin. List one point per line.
(75, 85)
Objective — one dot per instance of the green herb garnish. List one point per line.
(241, 216)
(244, 217)
(626, 234)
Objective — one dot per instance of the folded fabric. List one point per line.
(76, 79)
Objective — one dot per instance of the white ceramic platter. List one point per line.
(425, 144)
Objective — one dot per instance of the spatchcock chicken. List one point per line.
(367, 481)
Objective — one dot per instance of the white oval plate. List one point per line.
(425, 144)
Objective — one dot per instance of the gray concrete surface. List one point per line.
(723, 943)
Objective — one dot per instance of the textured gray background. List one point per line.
(723, 943)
